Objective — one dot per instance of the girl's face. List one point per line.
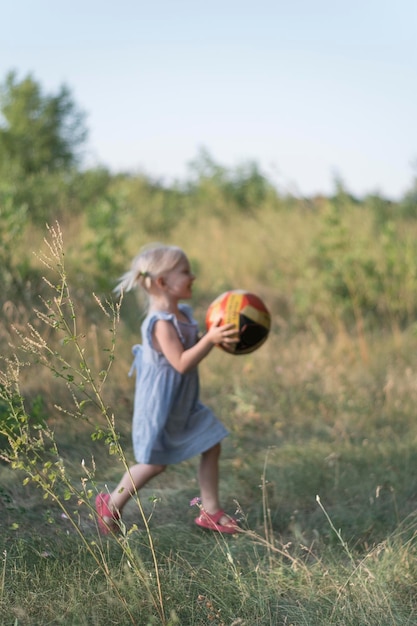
(179, 280)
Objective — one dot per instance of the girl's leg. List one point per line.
(208, 477)
(131, 482)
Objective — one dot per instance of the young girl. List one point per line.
(170, 424)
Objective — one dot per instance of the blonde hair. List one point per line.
(152, 262)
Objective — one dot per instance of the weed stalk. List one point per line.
(28, 448)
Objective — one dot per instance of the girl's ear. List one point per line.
(160, 281)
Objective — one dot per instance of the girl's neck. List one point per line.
(161, 303)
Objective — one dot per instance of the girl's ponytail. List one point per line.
(126, 283)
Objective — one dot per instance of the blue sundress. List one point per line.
(170, 424)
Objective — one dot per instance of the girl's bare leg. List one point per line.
(131, 482)
(208, 477)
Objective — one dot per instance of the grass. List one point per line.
(306, 429)
(319, 467)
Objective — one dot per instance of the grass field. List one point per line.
(319, 466)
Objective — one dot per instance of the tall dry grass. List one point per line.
(319, 465)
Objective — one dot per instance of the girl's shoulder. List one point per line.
(153, 317)
(183, 328)
(157, 315)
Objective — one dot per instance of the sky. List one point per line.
(312, 91)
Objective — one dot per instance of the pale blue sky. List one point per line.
(308, 89)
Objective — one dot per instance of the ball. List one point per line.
(247, 312)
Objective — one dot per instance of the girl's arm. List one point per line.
(167, 341)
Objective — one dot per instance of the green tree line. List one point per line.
(359, 261)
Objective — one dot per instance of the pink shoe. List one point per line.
(102, 508)
(210, 521)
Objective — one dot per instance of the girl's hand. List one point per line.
(227, 334)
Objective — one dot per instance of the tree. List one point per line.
(38, 132)
(244, 186)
